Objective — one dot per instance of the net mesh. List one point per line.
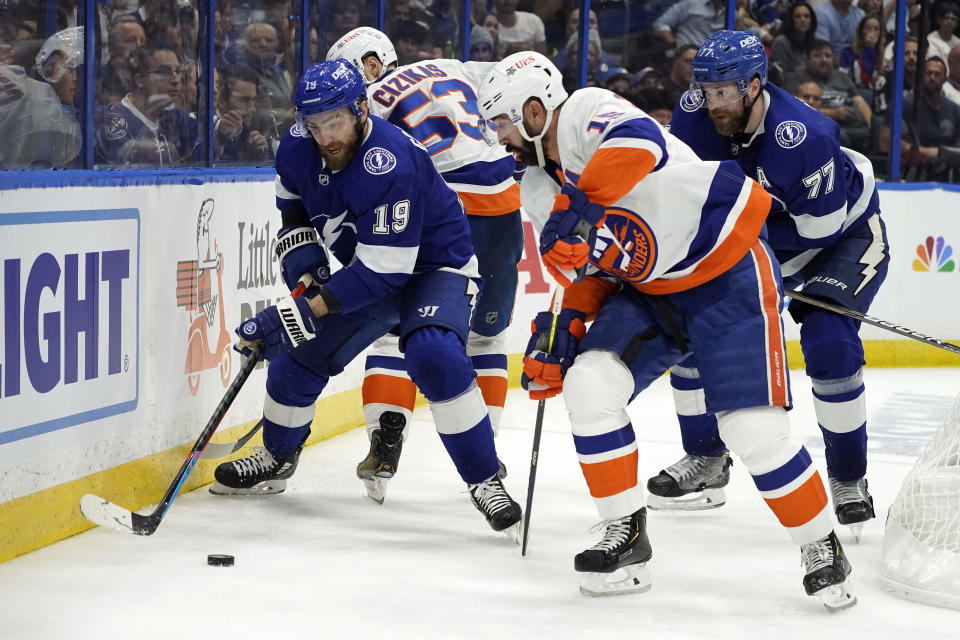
(921, 546)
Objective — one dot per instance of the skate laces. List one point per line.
(817, 555)
(490, 496)
(261, 460)
(615, 533)
(847, 492)
(687, 467)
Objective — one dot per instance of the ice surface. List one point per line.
(324, 561)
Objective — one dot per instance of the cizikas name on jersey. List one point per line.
(69, 325)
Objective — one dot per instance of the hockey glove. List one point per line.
(569, 234)
(301, 254)
(544, 368)
(280, 328)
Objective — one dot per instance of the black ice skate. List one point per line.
(500, 510)
(826, 568)
(618, 563)
(259, 474)
(693, 483)
(384, 457)
(852, 503)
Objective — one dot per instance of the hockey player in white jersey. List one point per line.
(829, 237)
(377, 203)
(677, 262)
(435, 102)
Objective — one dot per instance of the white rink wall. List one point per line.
(119, 304)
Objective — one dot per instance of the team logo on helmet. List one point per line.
(631, 250)
(378, 160)
(690, 101)
(790, 133)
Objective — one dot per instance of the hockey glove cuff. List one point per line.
(302, 258)
(543, 367)
(281, 328)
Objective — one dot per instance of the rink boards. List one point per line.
(120, 294)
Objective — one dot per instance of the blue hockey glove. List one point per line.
(280, 328)
(301, 254)
(544, 368)
(569, 234)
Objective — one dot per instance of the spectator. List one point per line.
(810, 92)
(116, 79)
(241, 130)
(408, 42)
(492, 25)
(619, 81)
(163, 32)
(937, 124)
(519, 28)
(571, 79)
(841, 100)
(910, 47)
(837, 22)
(951, 88)
(862, 58)
(749, 19)
(680, 72)
(145, 128)
(560, 60)
(345, 16)
(690, 22)
(481, 44)
(259, 49)
(940, 42)
(648, 78)
(657, 103)
(788, 53)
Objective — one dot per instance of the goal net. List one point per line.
(921, 543)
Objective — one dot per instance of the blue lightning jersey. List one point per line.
(386, 216)
(822, 190)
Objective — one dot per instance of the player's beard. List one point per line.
(526, 153)
(348, 149)
(732, 123)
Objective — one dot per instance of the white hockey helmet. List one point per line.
(69, 42)
(360, 43)
(508, 87)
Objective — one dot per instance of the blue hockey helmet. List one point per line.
(729, 56)
(328, 86)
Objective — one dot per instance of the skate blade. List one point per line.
(706, 499)
(856, 529)
(514, 533)
(837, 597)
(268, 488)
(376, 489)
(633, 578)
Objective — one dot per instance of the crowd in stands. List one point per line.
(836, 55)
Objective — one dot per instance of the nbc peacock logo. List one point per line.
(934, 255)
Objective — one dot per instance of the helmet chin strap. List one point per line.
(747, 112)
(537, 140)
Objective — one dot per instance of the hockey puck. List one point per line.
(219, 560)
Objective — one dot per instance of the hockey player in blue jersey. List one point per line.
(377, 202)
(827, 233)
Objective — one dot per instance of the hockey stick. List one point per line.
(883, 324)
(106, 514)
(538, 427)
(216, 450)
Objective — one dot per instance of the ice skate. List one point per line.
(259, 474)
(501, 469)
(852, 503)
(383, 459)
(693, 483)
(500, 510)
(617, 564)
(826, 569)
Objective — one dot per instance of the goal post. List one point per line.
(921, 541)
